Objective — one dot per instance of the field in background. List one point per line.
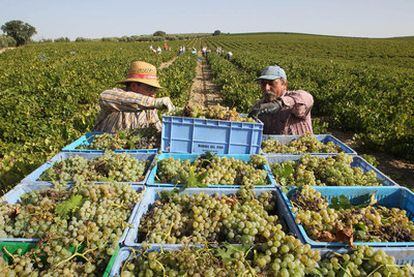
(49, 92)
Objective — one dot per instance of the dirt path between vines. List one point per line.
(399, 170)
(203, 91)
(6, 48)
(167, 64)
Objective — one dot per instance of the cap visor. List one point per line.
(267, 77)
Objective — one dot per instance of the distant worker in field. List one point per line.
(229, 55)
(282, 112)
(136, 105)
(165, 46)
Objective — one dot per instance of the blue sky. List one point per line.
(104, 18)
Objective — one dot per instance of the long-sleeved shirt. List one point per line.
(293, 119)
(122, 110)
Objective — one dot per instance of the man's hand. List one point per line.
(266, 108)
(164, 103)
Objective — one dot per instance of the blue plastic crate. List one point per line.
(13, 196)
(35, 175)
(324, 138)
(197, 135)
(402, 256)
(192, 157)
(396, 197)
(357, 162)
(87, 139)
(152, 194)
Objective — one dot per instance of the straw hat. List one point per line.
(142, 72)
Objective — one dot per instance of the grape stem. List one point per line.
(162, 266)
(8, 253)
(375, 270)
(77, 254)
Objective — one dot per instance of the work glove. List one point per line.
(266, 108)
(164, 103)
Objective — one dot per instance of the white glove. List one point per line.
(164, 103)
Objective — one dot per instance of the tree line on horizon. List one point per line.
(18, 33)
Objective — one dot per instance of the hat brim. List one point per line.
(150, 82)
(268, 77)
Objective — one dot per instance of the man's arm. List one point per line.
(299, 102)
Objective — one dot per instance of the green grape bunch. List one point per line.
(143, 138)
(214, 112)
(317, 171)
(369, 222)
(307, 143)
(79, 229)
(362, 261)
(211, 169)
(119, 167)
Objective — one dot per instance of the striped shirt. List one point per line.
(122, 110)
(293, 119)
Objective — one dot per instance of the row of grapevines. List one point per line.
(49, 97)
(363, 85)
(177, 79)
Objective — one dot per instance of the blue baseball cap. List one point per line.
(272, 72)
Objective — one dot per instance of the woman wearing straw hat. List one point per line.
(136, 106)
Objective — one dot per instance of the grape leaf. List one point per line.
(283, 172)
(65, 208)
(194, 180)
(342, 202)
(226, 252)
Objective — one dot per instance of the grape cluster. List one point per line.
(305, 144)
(225, 260)
(317, 171)
(205, 219)
(210, 169)
(119, 167)
(363, 261)
(79, 228)
(214, 112)
(142, 138)
(369, 222)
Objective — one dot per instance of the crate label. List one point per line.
(199, 147)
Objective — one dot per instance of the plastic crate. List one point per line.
(111, 262)
(14, 195)
(151, 195)
(197, 135)
(402, 255)
(397, 197)
(13, 247)
(151, 182)
(324, 138)
(87, 139)
(124, 253)
(35, 175)
(405, 256)
(356, 162)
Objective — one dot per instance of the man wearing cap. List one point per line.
(282, 112)
(136, 106)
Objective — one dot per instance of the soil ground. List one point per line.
(203, 91)
(167, 64)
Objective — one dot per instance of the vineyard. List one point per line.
(122, 205)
